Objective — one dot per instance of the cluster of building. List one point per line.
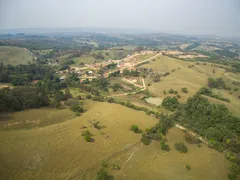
(91, 71)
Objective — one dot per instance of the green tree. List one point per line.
(134, 128)
(170, 103)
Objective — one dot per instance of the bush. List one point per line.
(180, 146)
(87, 136)
(77, 114)
(164, 146)
(110, 100)
(185, 90)
(171, 91)
(95, 124)
(115, 167)
(178, 96)
(102, 175)
(88, 96)
(105, 164)
(188, 167)
(145, 140)
(134, 128)
(76, 108)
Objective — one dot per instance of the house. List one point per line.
(35, 82)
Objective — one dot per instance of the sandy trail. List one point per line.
(131, 155)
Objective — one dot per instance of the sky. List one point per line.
(193, 17)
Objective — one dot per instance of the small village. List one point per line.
(108, 67)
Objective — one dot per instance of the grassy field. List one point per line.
(59, 151)
(150, 162)
(193, 78)
(145, 56)
(14, 55)
(34, 118)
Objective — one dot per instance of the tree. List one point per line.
(170, 103)
(164, 146)
(134, 128)
(145, 140)
(156, 78)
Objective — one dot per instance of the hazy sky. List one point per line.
(212, 17)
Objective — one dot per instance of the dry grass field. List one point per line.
(14, 55)
(34, 118)
(59, 151)
(150, 162)
(192, 78)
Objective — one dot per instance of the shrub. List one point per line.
(76, 108)
(115, 167)
(110, 100)
(188, 167)
(164, 146)
(95, 124)
(102, 175)
(134, 128)
(171, 91)
(87, 136)
(180, 146)
(185, 90)
(88, 96)
(77, 114)
(105, 164)
(178, 96)
(145, 140)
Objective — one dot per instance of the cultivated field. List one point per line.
(14, 55)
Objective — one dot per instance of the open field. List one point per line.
(150, 162)
(191, 75)
(145, 56)
(14, 55)
(34, 118)
(59, 151)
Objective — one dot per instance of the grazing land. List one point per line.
(58, 151)
(149, 106)
(15, 55)
(149, 162)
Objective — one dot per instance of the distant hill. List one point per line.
(15, 55)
